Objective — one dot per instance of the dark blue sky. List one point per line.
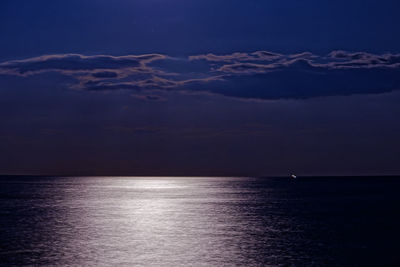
(180, 27)
(199, 87)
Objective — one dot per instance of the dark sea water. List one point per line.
(134, 221)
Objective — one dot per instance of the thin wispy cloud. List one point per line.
(258, 75)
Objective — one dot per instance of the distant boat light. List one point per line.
(294, 176)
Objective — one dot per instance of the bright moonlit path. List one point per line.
(160, 221)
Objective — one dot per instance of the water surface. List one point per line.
(202, 221)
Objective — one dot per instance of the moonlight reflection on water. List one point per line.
(154, 221)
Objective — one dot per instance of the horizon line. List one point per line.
(204, 176)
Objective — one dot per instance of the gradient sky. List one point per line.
(156, 87)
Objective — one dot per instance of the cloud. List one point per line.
(105, 74)
(148, 97)
(344, 59)
(238, 57)
(76, 62)
(255, 75)
(302, 83)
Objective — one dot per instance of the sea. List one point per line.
(199, 221)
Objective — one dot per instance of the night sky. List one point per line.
(157, 87)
